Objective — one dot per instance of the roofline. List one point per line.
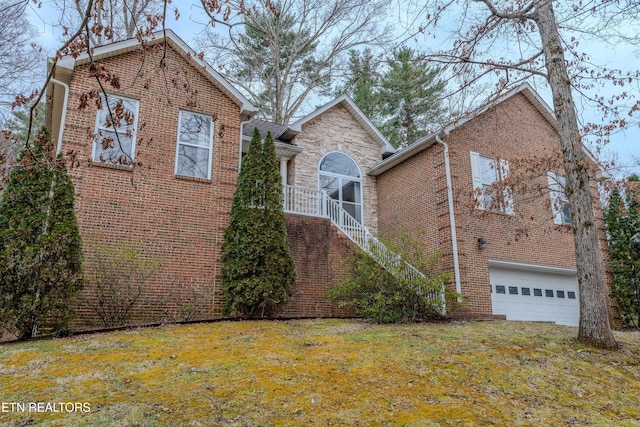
(247, 109)
(285, 145)
(402, 155)
(345, 101)
(525, 89)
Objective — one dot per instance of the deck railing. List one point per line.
(306, 201)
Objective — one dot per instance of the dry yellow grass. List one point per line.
(327, 372)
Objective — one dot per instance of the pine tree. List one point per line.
(409, 93)
(40, 247)
(362, 84)
(401, 99)
(623, 228)
(258, 271)
(276, 63)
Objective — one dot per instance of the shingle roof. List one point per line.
(280, 133)
(263, 126)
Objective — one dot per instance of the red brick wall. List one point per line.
(322, 255)
(413, 194)
(178, 221)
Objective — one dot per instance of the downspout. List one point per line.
(63, 119)
(452, 218)
(45, 230)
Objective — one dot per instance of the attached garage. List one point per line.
(534, 292)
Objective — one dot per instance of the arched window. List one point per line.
(340, 177)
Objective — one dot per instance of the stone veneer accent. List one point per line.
(337, 130)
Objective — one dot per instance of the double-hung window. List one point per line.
(195, 145)
(486, 172)
(115, 130)
(559, 201)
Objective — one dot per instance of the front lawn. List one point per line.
(323, 372)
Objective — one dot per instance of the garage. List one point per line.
(534, 292)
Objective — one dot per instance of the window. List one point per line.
(560, 294)
(559, 200)
(571, 295)
(340, 177)
(500, 289)
(486, 171)
(195, 145)
(513, 290)
(526, 291)
(537, 292)
(548, 293)
(115, 131)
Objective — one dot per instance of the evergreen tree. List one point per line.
(276, 63)
(401, 99)
(18, 124)
(40, 247)
(409, 93)
(623, 228)
(362, 84)
(258, 271)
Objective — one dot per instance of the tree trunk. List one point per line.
(595, 329)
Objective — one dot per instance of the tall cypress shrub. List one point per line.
(258, 271)
(279, 267)
(40, 247)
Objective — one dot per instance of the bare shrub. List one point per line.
(117, 278)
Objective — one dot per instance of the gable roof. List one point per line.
(385, 147)
(525, 89)
(67, 63)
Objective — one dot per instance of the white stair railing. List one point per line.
(303, 201)
(306, 201)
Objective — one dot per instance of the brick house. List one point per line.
(513, 259)
(162, 181)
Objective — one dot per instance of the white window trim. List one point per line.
(502, 173)
(178, 143)
(352, 178)
(556, 193)
(99, 126)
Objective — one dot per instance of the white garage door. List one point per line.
(522, 294)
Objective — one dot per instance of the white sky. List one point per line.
(625, 143)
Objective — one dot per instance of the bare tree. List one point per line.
(509, 42)
(114, 20)
(279, 53)
(21, 61)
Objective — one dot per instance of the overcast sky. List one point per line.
(192, 21)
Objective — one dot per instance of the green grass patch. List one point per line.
(326, 372)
